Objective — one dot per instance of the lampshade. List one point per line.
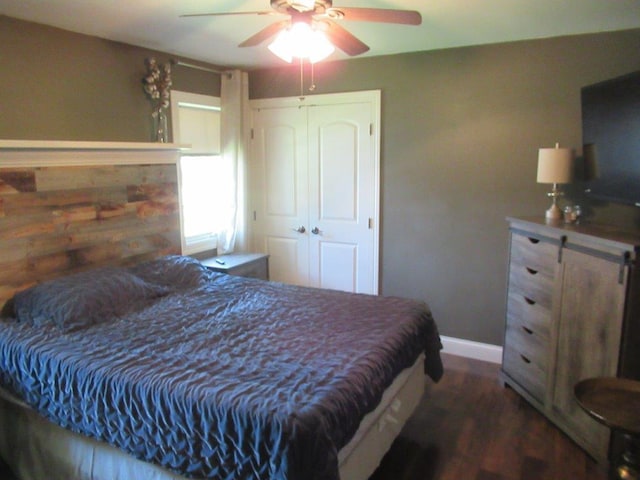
(555, 165)
(301, 41)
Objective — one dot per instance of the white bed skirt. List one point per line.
(36, 449)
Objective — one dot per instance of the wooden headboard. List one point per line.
(70, 206)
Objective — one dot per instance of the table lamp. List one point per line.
(555, 166)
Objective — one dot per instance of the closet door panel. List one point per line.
(341, 197)
(280, 193)
(338, 266)
(338, 172)
(280, 172)
(284, 259)
(314, 193)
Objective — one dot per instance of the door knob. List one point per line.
(300, 229)
(316, 231)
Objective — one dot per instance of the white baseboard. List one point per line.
(470, 349)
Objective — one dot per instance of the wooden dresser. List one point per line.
(573, 312)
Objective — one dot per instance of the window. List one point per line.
(205, 196)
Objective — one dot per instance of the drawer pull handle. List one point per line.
(531, 271)
(529, 301)
(525, 359)
(528, 330)
(533, 240)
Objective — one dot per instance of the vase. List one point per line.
(160, 129)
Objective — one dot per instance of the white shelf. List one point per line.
(56, 153)
(90, 146)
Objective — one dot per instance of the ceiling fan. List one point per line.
(321, 16)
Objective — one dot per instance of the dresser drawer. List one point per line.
(530, 345)
(528, 325)
(535, 285)
(528, 374)
(538, 255)
(526, 313)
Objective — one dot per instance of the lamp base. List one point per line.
(553, 213)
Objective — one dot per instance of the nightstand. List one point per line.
(253, 265)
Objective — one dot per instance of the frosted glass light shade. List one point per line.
(304, 4)
(301, 41)
(555, 165)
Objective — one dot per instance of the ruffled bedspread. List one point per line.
(226, 378)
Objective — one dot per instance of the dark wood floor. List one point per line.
(469, 427)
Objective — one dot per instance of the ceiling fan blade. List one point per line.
(226, 14)
(382, 15)
(264, 34)
(342, 39)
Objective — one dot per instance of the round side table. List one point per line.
(615, 402)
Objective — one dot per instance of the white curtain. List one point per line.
(234, 102)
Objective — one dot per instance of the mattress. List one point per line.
(35, 448)
(213, 376)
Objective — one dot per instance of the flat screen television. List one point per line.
(611, 138)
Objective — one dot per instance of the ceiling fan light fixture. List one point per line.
(303, 5)
(301, 41)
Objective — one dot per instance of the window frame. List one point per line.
(199, 243)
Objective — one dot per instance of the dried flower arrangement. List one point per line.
(157, 85)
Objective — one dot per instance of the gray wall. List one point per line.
(460, 133)
(59, 85)
(461, 129)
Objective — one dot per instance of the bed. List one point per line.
(121, 360)
(207, 375)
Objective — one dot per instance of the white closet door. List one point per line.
(342, 192)
(280, 195)
(315, 166)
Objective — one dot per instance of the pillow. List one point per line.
(84, 298)
(173, 271)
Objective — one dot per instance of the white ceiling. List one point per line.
(156, 24)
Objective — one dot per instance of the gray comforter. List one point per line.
(210, 375)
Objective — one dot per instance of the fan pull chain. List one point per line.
(301, 78)
(312, 87)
